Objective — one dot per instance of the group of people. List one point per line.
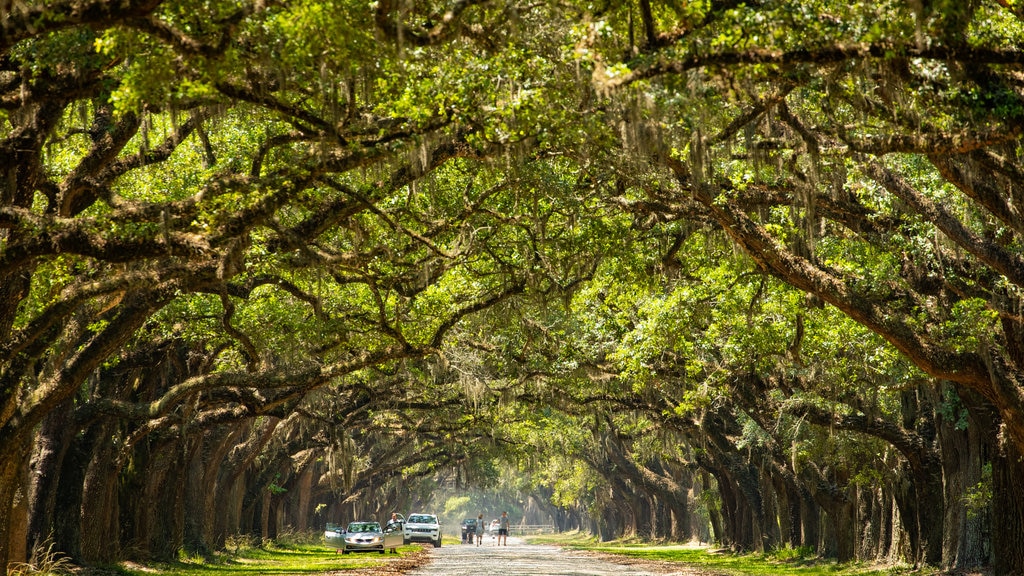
(502, 530)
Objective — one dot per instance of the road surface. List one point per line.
(521, 559)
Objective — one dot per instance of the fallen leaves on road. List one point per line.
(402, 564)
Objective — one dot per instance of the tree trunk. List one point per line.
(303, 507)
(1008, 511)
(885, 525)
(19, 551)
(844, 529)
(714, 512)
(789, 510)
(195, 494)
(8, 488)
(770, 529)
(974, 545)
(810, 519)
(866, 524)
(99, 511)
(51, 446)
(729, 534)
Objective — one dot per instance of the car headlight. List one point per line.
(376, 539)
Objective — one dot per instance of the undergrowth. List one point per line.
(44, 560)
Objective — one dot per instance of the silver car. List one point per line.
(368, 537)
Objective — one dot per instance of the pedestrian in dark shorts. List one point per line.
(503, 529)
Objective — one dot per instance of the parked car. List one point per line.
(493, 530)
(369, 537)
(423, 528)
(469, 529)
(334, 535)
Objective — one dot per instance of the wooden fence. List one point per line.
(527, 529)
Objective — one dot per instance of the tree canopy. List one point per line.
(742, 271)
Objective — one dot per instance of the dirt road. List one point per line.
(521, 559)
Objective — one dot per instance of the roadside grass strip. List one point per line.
(297, 559)
(783, 562)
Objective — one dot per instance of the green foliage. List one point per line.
(457, 506)
(978, 498)
(490, 244)
(791, 554)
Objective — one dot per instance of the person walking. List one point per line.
(503, 529)
(480, 529)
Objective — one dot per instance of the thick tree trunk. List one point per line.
(770, 528)
(930, 509)
(844, 529)
(51, 445)
(195, 496)
(789, 510)
(729, 535)
(66, 522)
(867, 523)
(1008, 511)
(974, 546)
(907, 504)
(682, 525)
(19, 550)
(8, 488)
(14, 462)
(964, 449)
(165, 495)
(810, 519)
(885, 524)
(714, 520)
(303, 508)
(747, 514)
(100, 512)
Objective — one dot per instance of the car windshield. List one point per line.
(422, 519)
(364, 527)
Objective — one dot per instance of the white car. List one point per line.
(423, 528)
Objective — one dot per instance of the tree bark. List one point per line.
(1008, 511)
(100, 534)
(51, 447)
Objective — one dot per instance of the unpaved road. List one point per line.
(521, 559)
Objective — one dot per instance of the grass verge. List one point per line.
(278, 559)
(786, 562)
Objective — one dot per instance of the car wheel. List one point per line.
(437, 543)
(381, 551)
(405, 541)
(344, 551)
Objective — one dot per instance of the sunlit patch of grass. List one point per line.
(783, 562)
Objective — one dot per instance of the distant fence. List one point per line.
(527, 529)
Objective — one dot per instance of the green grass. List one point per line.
(277, 559)
(786, 562)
